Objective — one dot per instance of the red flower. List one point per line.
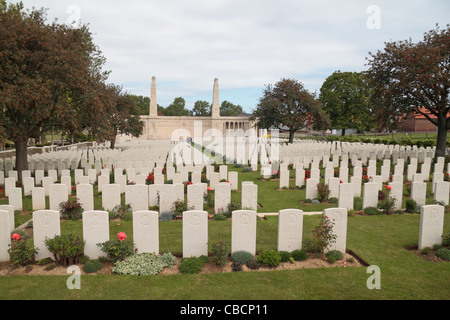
(388, 187)
(121, 236)
(15, 236)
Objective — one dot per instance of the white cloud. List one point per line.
(245, 43)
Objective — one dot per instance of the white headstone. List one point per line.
(431, 225)
(370, 195)
(311, 188)
(146, 231)
(290, 230)
(46, 224)
(195, 196)
(346, 196)
(58, 194)
(38, 198)
(195, 233)
(442, 191)
(249, 195)
(338, 216)
(137, 196)
(243, 231)
(10, 210)
(5, 238)
(85, 195)
(15, 198)
(222, 197)
(110, 196)
(95, 230)
(418, 192)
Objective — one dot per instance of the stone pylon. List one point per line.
(215, 112)
(153, 104)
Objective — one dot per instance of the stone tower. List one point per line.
(153, 104)
(215, 112)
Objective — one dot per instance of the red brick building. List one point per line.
(416, 122)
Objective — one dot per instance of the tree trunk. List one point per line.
(291, 135)
(441, 143)
(21, 158)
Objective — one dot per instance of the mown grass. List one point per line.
(379, 240)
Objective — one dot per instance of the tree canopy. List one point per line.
(288, 103)
(345, 97)
(229, 109)
(413, 78)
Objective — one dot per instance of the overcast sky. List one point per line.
(247, 44)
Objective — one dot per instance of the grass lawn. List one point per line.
(379, 240)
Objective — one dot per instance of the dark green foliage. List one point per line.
(66, 248)
(443, 253)
(411, 206)
(253, 264)
(242, 256)
(71, 209)
(192, 265)
(21, 254)
(92, 266)
(299, 255)
(220, 251)
(236, 266)
(334, 255)
(371, 211)
(269, 258)
(285, 256)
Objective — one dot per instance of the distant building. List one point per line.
(417, 122)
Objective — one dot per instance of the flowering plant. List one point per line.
(121, 236)
(20, 253)
(67, 248)
(323, 235)
(117, 249)
(150, 179)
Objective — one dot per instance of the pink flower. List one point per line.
(121, 236)
(388, 187)
(209, 189)
(15, 236)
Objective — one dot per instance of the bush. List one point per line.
(242, 256)
(220, 251)
(411, 206)
(71, 209)
(219, 217)
(92, 266)
(20, 254)
(247, 169)
(66, 248)
(371, 211)
(334, 255)
(443, 253)
(192, 265)
(117, 249)
(232, 206)
(120, 211)
(253, 264)
(144, 264)
(323, 235)
(236, 266)
(178, 208)
(285, 256)
(323, 192)
(299, 255)
(269, 258)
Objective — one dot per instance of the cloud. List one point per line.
(247, 44)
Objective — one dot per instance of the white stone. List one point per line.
(137, 196)
(249, 197)
(38, 198)
(233, 178)
(110, 196)
(370, 195)
(195, 196)
(311, 188)
(290, 230)
(58, 194)
(397, 193)
(284, 179)
(85, 195)
(418, 192)
(95, 230)
(146, 231)
(5, 239)
(339, 217)
(10, 209)
(243, 231)
(346, 196)
(195, 233)
(222, 197)
(442, 192)
(431, 226)
(46, 224)
(15, 198)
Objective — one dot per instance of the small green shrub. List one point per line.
(333, 200)
(334, 255)
(443, 253)
(21, 254)
(92, 266)
(236, 266)
(411, 206)
(232, 206)
(299, 255)
(371, 211)
(192, 265)
(253, 264)
(220, 251)
(269, 258)
(117, 249)
(120, 211)
(219, 217)
(247, 169)
(66, 248)
(242, 256)
(285, 256)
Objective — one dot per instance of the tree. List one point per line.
(177, 108)
(289, 104)
(45, 71)
(345, 97)
(201, 109)
(120, 115)
(229, 109)
(142, 103)
(413, 78)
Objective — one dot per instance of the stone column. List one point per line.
(215, 106)
(153, 104)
